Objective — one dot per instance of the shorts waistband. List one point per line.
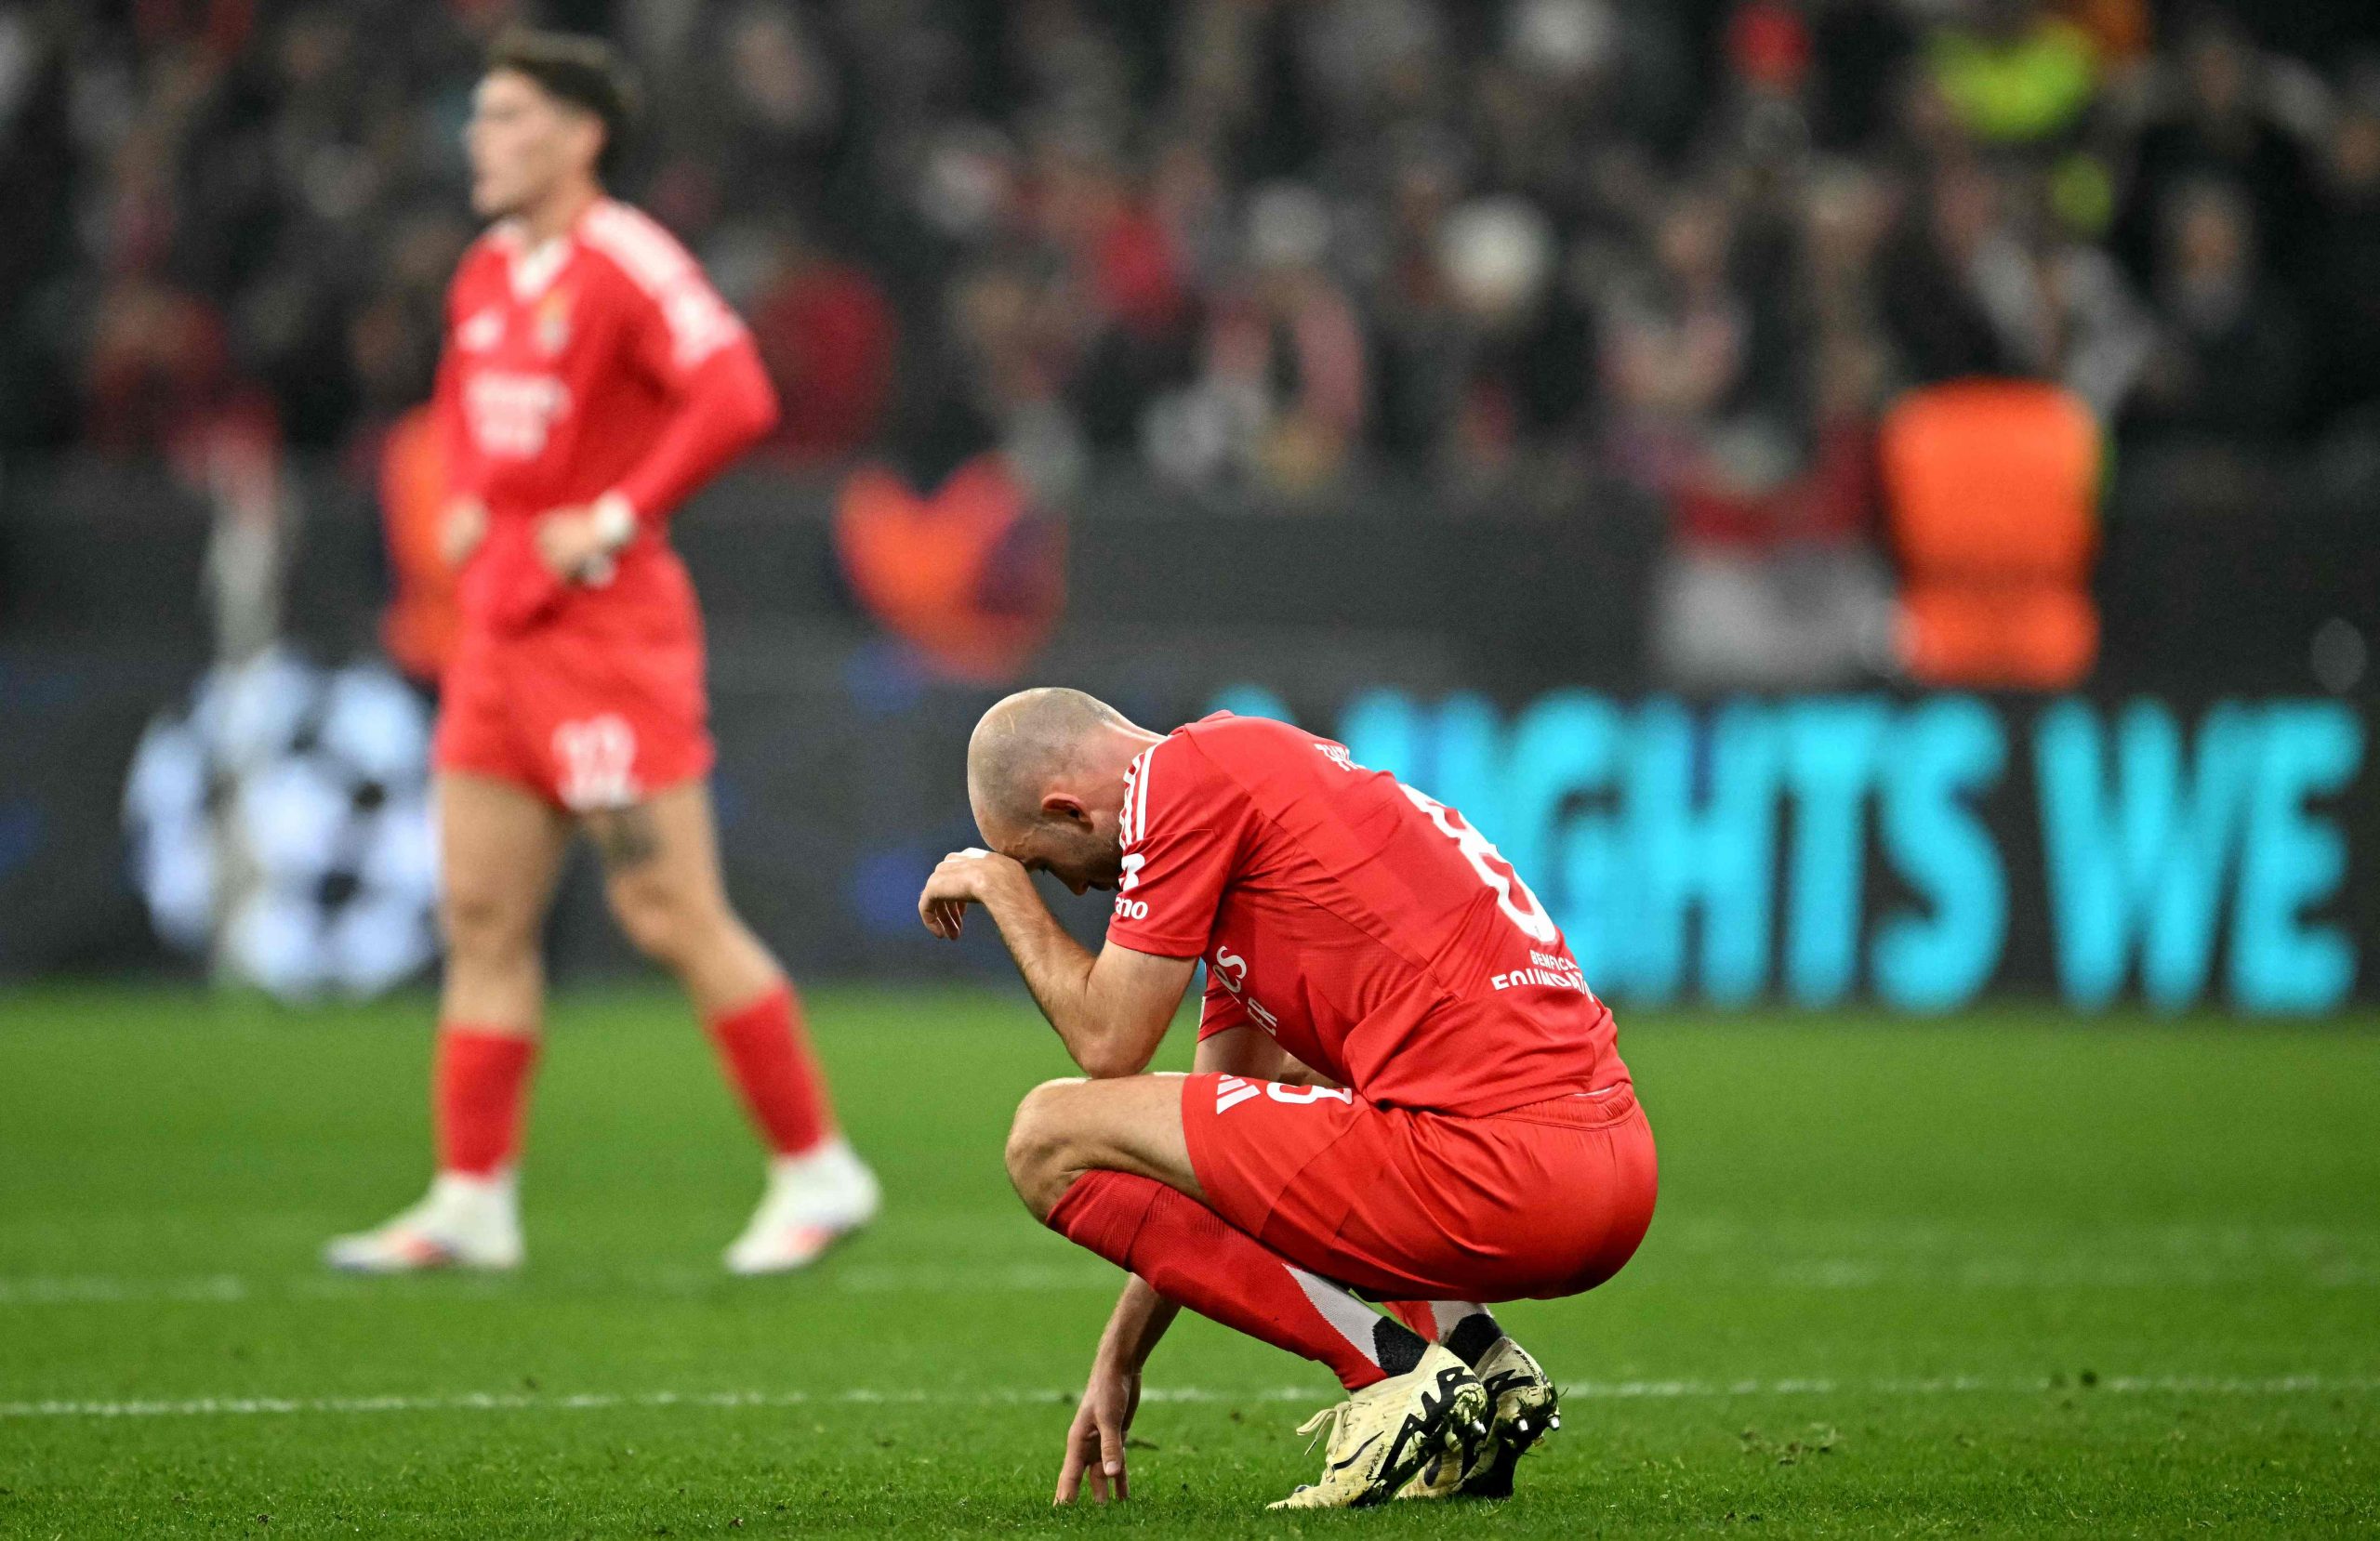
(1582, 1110)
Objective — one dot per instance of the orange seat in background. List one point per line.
(1991, 493)
(419, 626)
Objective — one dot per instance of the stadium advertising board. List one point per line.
(1916, 851)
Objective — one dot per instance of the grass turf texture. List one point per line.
(1997, 1275)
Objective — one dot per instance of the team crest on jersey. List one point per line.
(552, 329)
(481, 332)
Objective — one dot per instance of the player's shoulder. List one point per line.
(1201, 767)
(1171, 780)
(1239, 745)
(636, 246)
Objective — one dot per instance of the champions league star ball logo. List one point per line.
(282, 827)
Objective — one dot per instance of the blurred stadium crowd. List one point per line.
(1691, 247)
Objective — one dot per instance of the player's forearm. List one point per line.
(1140, 1319)
(727, 409)
(1057, 969)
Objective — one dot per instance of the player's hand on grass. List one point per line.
(460, 533)
(1095, 1444)
(964, 877)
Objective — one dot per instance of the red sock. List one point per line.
(1194, 1257)
(476, 1091)
(768, 1056)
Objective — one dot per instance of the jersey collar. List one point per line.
(533, 268)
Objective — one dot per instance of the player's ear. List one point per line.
(1065, 807)
(589, 147)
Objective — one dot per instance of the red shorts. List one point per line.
(584, 723)
(1545, 1200)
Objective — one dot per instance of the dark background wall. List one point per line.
(839, 774)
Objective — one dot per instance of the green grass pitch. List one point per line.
(1999, 1275)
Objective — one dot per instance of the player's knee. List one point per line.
(483, 921)
(658, 922)
(1040, 1146)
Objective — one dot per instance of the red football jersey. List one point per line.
(1371, 931)
(599, 361)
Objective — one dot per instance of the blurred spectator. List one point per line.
(1926, 284)
(2346, 260)
(1677, 341)
(2230, 359)
(1486, 352)
(1771, 579)
(2014, 71)
(1516, 248)
(2222, 114)
(1280, 393)
(158, 378)
(1992, 283)
(828, 335)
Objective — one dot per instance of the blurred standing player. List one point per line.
(591, 380)
(1403, 1086)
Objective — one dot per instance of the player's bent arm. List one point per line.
(1135, 1326)
(1141, 1315)
(726, 406)
(1111, 1011)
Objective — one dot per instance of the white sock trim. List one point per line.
(500, 1183)
(1354, 1320)
(1451, 1314)
(832, 1154)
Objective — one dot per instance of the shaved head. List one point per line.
(1045, 777)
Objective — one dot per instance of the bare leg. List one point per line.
(1129, 1124)
(662, 876)
(500, 849)
(1105, 1163)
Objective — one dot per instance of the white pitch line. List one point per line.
(233, 1289)
(1028, 1278)
(1616, 1391)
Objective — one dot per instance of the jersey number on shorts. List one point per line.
(598, 762)
(1512, 897)
(1232, 1091)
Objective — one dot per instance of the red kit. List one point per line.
(1484, 1140)
(600, 364)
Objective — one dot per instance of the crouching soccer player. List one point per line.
(1403, 1087)
(591, 380)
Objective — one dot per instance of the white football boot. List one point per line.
(465, 1222)
(814, 1200)
(1523, 1408)
(1384, 1434)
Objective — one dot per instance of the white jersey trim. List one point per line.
(699, 321)
(1133, 828)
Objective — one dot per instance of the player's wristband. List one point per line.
(615, 520)
(614, 526)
